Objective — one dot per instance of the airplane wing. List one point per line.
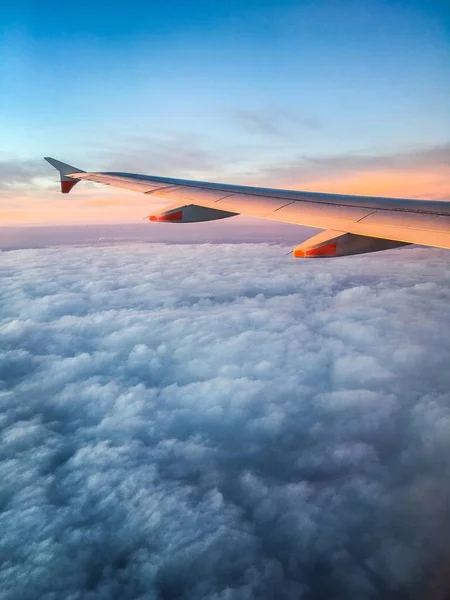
(353, 224)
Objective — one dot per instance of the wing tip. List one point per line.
(66, 173)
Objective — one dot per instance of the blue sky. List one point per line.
(225, 89)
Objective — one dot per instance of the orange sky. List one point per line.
(428, 183)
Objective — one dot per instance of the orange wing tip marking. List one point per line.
(67, 185)
(324, 251)
(175, 216)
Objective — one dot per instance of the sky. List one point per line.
(220, 422)
(333, 95)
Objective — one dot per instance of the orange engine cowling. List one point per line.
(329, 244)
(191, 213)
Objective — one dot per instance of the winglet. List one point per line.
(66, 173)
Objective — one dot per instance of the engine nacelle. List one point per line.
(191, 213)
(329, 244)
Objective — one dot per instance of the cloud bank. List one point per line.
(223, 422)
(18, 172)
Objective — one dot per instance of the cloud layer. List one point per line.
(220, 421)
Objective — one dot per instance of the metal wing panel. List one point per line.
(250, 204)
(220, 190)
(430, 235)
(135, 184)
(312, 212)
(297, 216)
(412, 221)
(202, 195)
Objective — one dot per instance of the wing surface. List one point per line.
(424, 222)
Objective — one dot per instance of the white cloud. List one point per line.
(220, 421)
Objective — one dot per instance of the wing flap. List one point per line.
(409, 220)
(429, 236)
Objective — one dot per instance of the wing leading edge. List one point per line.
(374, 223)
